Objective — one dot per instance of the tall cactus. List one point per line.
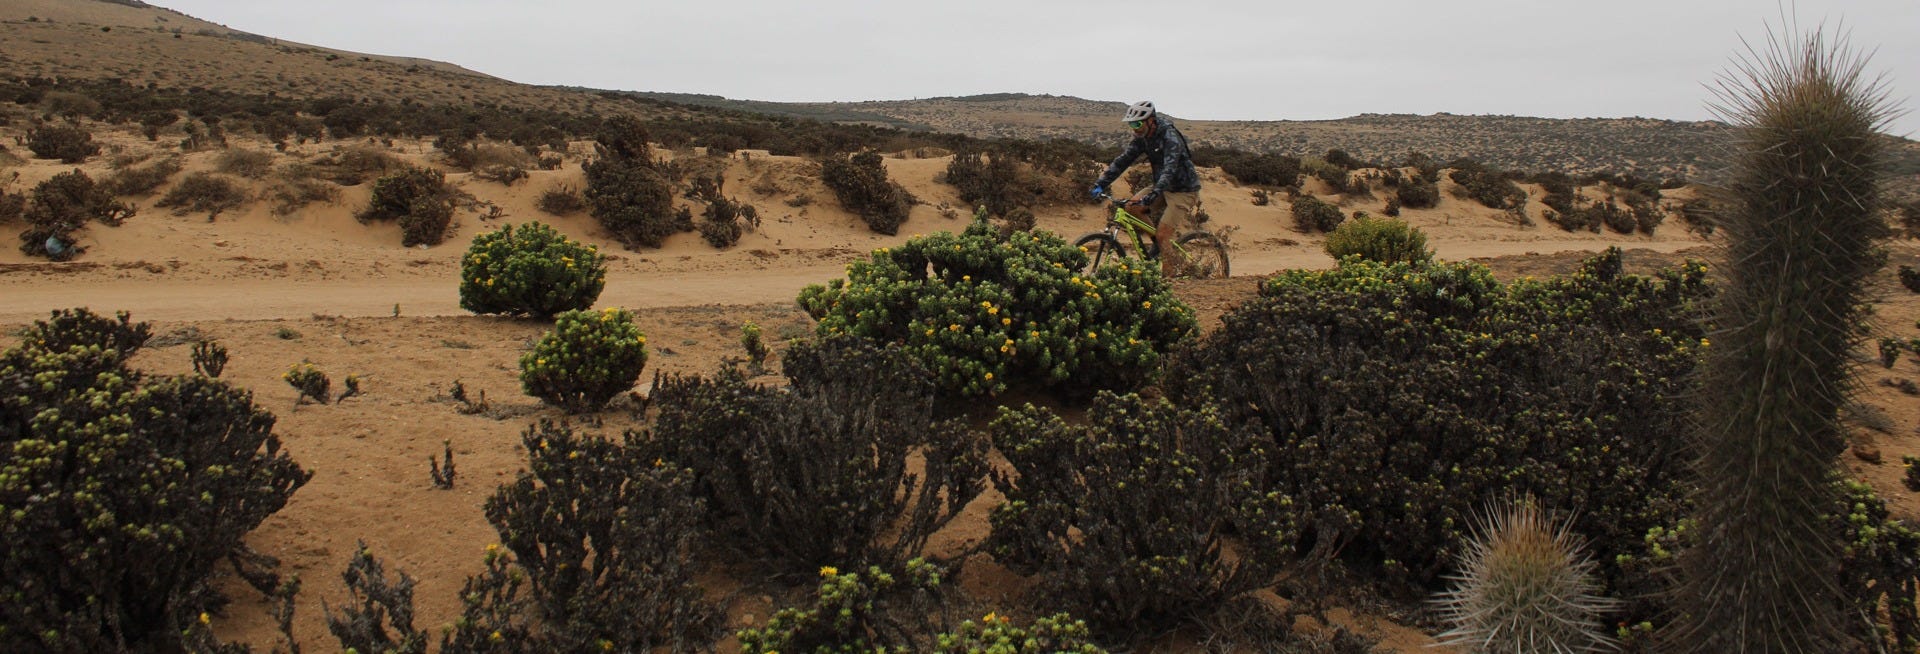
(1802, 229)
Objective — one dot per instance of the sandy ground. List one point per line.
(319, 286)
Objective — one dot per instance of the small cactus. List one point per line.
(1525, 585)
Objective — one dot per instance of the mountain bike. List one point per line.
(1205, 254)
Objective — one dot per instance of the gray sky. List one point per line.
(1200, 59)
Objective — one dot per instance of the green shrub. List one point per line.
(1056, 634)
(377, 604)
(121, 492)
(725, 220)
(1378, 239)
(995, 182)
(1123, 518)
(419, 199)
(632, 200)
(1418, 193)
(1399, 398)
(70, 144)
(251, 164)
(62, 205)
(1525, 584)
(310, 381)
(983, 310)
(587, 359)
(530, 271)
(817, 473)
(1489, 187)
(203, 192)
(560, 201)
(860, 182)
(141, 180)
(852, 613)
(1264, 170)
(1311, 214)
(606, 537)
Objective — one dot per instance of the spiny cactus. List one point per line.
(1526, 585)
(1802, 228)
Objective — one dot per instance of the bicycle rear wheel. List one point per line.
(1102, 248)
(1206, 256)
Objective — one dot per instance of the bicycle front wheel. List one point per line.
(1206, 256)
(1101, 248)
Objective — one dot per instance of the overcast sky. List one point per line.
(1199, 59)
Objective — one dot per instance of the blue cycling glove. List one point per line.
(1098, 191)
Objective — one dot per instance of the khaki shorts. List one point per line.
(1177, 207)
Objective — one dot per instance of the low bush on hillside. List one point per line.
(861, 184)
(560, 201)
(587, 359)
(532, 270)
(1311, 214)
(1397, 399)
(983, 310)
(297, 185)
(1490, 187)
(68, 143)
(121, 491)
(251, 164)
(1378, 239)
(356, 164)
(141, 180)
(607, 539)
(724, 220)
(627, 192)
(204, 192)
(996, 182)
(62, 205)
(1263, 169)
(419, 199)
(1417, 192)
(817, 473)
(1124, 518)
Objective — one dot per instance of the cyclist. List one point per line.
(1175, 192)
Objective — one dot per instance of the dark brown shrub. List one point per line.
(561, 201)
(861, 184)
(419, 199)
(70, 144)
(1311, 214)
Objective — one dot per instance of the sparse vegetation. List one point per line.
(141, 180)
(419, 199)
(561, 201)
(1311, 214)
(204, 192)
(243, 162)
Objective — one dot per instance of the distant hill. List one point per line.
(143, 44)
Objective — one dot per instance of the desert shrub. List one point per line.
(203, 192)
(632, 200)
(1559, 191)
(297, 186)
(1055, 634)
(153, 121)
(1418, 193)
(860, 182)
(530, 271)
(419, 199)
(995, 182)
(725, 220)
(1647, 215)
(355, 164)
(1382, 240)
(503, 175)
(1340, 180)
(1910, 278)
(817, 474)
(1264, 170)
(606, 537)
(851, 612)
(1879, 569)
(983, 310)
(1311, 214)
(69, 104)
(62, 205)
(754, 345)
(251, 164)
(1399, 398)
(1490, 187)
(120, 492)
(12, 207)
(209, 358)
(1526, 584)
(495, 616)
(68, 143)
(587, 359)
(377, 604)
(309, 381)
(1123, 518)
(560, 201)
(143, 179)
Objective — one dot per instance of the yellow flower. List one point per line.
(989, 376)
(1704, 343)
(929, 331)
(953, 327)
(659, 462)
(1147, 304)
(1006, 321)
(990, 617)
(828, 571)
(1092, 336)
(496, 637)
(204, 619)
(993, 311)
(493, 548)
(964, 278)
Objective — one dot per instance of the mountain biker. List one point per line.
(1175, 192)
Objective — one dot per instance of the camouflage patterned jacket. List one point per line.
(1166, 151)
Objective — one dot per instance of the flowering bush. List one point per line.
(983, 310)
(1124, 517)
(1396, 399)
(1055, 634)
(309, 380)
(119, 492)
(1378, 239)
(588, 357)
(531, 271)
(851, 612)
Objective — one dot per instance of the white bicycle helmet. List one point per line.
(1141, 110)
